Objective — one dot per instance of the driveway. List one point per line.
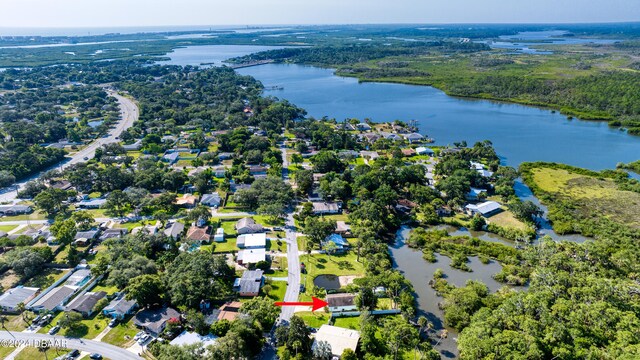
(104, 349)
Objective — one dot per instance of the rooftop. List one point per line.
(252, 256)
(12, 297)
(252, 240)
(339, 338)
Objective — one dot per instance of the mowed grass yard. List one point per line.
(32, 353)
(122, 334)
(88, 329)
(320, 264)
(506, 219)
(596, 197)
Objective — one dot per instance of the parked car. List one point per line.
(95, 356)
(73, 354)
(139, 335)
(86, 158)
(144, 339)
(54, 330)
(113, 322)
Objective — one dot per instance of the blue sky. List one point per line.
(110, 13)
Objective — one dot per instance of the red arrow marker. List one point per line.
(315, 304)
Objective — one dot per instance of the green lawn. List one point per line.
(278, 267)
(5, 351)
(228, 245)
(337, 217)
(36, 215)
(314, 319)
(7, 228)
(337, 264)
(229, 227)
(98, 213)
(347, 322)
(102, 286)
(122, 334)
(88, 329)
(31, 353)
(278, 289)
(15, 323)
(278, 245)
(46, 278)
(266, 221)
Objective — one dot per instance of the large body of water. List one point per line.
(519, 133)
(213, 55)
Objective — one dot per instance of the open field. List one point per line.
(594, 197)
(507, 220)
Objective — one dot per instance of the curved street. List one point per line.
(104, 349)
(128, 115)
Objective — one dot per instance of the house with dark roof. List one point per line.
(250, 283)
(85, 303)
(341, 302)
(113, 233)
(120, 307)
(248, 225)
(154, 321)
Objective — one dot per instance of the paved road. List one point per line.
(128, 114)
(293, 259)
(104, 349)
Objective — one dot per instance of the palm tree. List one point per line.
(43, 349)
(443, 335)
(424, 324)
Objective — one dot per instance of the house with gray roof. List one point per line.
(213, 200)
(341, 302)
(85, 303)
(11, 298)
(174, 230)
(155, 320)
(120, 307)
(248, 226)
(112, 233)
(250, 283)
(55, 299)
(11, 210)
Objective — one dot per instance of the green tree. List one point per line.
(317, 230)
(71, 320)
(84, 219)
(400, 335)
(197, 321)
(146, 290)
(64, 230)
(51, 201)
(296, 159)
(118, 203)
(262, 309)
